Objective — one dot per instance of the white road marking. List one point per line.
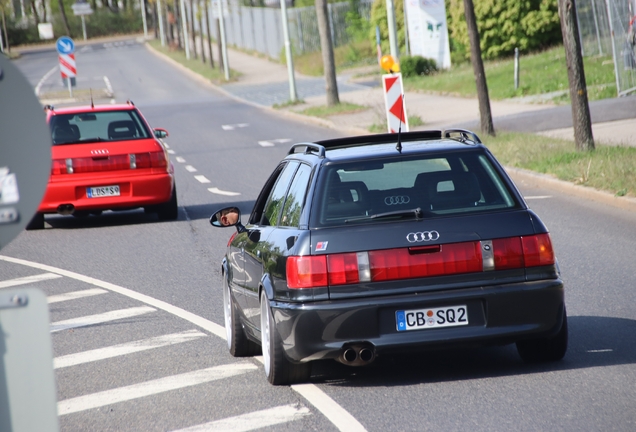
(254, 420)
(166, 145)
(600, 350)
(171, 152)
(179, 159)
(46, 76)
(109, 87)
(100, 318)
(222, 192)
(202, 179)
(190, 168)
(148, 388)
(273, 142)
(230, 127)
(126, 348)
(538, 197)
(339, 416)
(74, 295)
(28, 280)
(336, 414)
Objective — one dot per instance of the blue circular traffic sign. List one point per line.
(65, 45)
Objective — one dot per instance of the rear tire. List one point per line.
(37, 223)
(238, 344)
(278, 369)
(545, 349)
(169, 210)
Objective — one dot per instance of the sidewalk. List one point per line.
(264, 82)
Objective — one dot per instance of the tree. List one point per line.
(4, 4)
(583, 139)
(326, 46)
(64, 18)
(478, 69)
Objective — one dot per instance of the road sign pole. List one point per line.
(143, 18)
(84, 27)
(70, 87)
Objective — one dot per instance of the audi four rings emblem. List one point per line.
(99, 152)
(395, 200)
(422, 236)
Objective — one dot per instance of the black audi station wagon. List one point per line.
(361, 246)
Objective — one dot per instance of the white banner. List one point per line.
(428, 32)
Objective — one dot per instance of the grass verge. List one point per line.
(341, 108)
(609, 168)
(215, 75)
(539, 73)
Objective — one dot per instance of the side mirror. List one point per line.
(161, 133)
(228, 216)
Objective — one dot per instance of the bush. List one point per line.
(416, 66)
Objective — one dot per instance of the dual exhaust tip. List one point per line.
(66, 209)
(357, 354)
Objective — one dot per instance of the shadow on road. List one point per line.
(594, 342)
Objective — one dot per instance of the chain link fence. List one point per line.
(604, 27)
(260, 29)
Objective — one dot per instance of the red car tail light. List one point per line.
(343, 269)
(58, 167)
(508, 253)
(537, 250)
(148, 160)
(307, 271)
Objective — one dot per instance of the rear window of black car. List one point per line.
(97, 126)
(457, 183)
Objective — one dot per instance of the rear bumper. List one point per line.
(497, 315)
(135, 191)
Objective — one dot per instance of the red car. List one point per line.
(106, 158)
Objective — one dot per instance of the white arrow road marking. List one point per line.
(327, 406)
(28, 280)
(202, 179)
(190, 168)
(126, 348)
(179, 159)
(230, 127)
(75, 295)
(273, 142)
(222, 192)
(254, 420)
(100, 318)
(109, 87)
(148, 388)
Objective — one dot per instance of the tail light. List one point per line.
(156, 159)
(417, 262)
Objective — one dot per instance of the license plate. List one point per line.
(102, 191)
(417, 319)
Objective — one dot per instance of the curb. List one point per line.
(520, 176)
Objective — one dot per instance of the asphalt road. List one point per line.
(194, 380)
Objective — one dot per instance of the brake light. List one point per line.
(343, 269)
(307, 271)
(58, 167)
(148, 160)
(507, 253)
(537, 250)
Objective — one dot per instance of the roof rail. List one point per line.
(48, 107)
(309, 148)
(464, 135)
(386, 138)
(129, 102)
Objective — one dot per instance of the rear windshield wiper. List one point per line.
(417, 213)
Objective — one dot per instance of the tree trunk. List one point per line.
(581, 120)
(207, 26)
(478, 69)
(219, 43)
(44, 12)
(4, 29)
(326, 46)
(177, 16)
(200, 16)
(35, 12)
(155, 20)
(64, 19)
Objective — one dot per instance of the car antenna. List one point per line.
(92, 104)
(398, 147)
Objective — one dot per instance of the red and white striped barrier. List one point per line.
(67, 66)
(394, 102)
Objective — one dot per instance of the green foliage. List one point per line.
(378, 18)
(503, 26)
(417, 65)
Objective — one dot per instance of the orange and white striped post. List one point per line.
(396, 117)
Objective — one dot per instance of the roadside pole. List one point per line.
(143, 18)
(293, 95)
(226, 67)
(390, 17)
(82, 8)
(160, 18)
(184, 25)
